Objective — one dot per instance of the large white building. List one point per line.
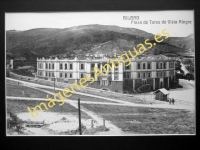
(71, 70)
(145, 73)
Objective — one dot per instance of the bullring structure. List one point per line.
(145, 73)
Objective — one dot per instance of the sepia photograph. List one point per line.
(100, 73)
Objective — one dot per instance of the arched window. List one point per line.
(164, 65)
(49, 66)
(157, 67)
(144, 66)
(149, 66)
(81, 75)
(160, 65)
(82, 66)
(138, 65)
(143, 75)
(138, 75)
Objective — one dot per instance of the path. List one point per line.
(99, 120)
(85, 94)
(189, 107)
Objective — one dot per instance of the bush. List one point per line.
(15, 123)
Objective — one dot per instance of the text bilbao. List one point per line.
(124, 58)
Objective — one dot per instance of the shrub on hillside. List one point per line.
(15, 123)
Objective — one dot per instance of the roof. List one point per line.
(26, 67)
(163, 90)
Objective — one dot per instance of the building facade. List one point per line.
(145, 73)
(148, 73)
(72, 70)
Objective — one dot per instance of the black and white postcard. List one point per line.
(110, 73)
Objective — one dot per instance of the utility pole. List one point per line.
(79, 116)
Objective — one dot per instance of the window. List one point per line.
(164, 65)
(144, 66)
(115, 69)
(61, 75)
(92, 74)
(53, 75)
(61, 66)
(138, 75)
(99, 65)
(149, 66)
(164, 74)
(116, 76)
(157, 67)
(127, 75)
(104, 82)
(49, 66)
(65, 66)
(149, 75)
(82, 66)
(71, 67)
(46, 66)
(46, 74)
(70, 75)
(49, 74)
(52, 66)
(92, 66)
(160, 65)
(127, 67)
(144, 82)
(65, 75)
(138, 66)
(171, 64)
(82, 75)
(143, 75)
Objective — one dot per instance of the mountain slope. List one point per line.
(87, 38)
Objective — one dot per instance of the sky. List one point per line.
(26, 21)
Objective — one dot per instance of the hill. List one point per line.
(88, 39)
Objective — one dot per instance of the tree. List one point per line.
(189, 76)
(15, 123)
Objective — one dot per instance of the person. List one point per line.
(170, 101)
(173, 101)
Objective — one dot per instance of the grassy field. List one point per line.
(139, 120)
(82, 97)
(16, 90)
(147, 120)
(19, 106)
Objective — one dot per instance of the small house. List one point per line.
(161, 94)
